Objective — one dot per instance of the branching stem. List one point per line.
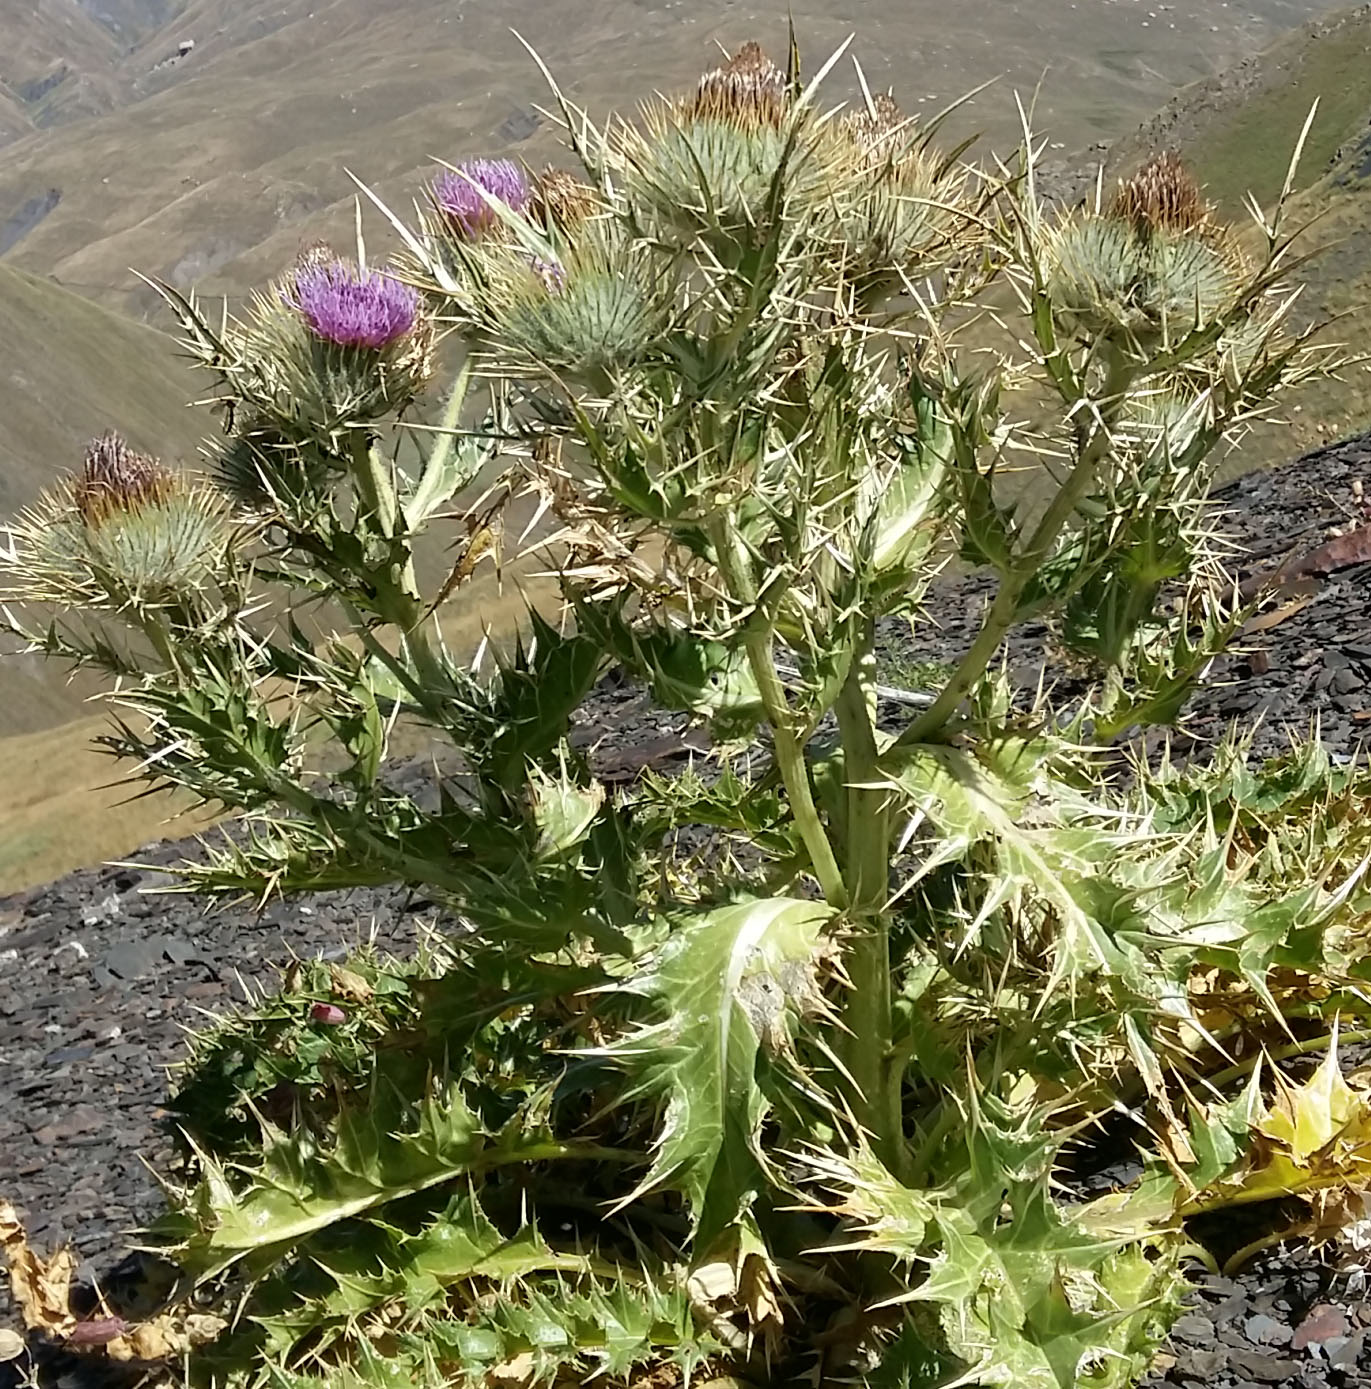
(1005, 606)
(786, 746)
(397, 590)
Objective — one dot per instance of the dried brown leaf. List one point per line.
(512, 1373)
(98, 1332)
(41, 1287)
(159, 1339)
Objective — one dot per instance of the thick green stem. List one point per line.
(1005, 607)
(786, 746)
(868, 1016)
(790, 761)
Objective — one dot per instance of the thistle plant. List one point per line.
(793, 1106)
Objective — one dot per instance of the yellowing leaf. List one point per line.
(159, 1339)
(514, 1372)
(1314, 1141)
(740, 1274)
(1307, 1118)
(349, 985)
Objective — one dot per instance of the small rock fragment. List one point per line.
(1267, 1331)
(1324, 1322)
(1193, 1329)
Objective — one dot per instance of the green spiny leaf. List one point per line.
(383, 1150)
(724, 986)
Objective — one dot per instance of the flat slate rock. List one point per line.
(103, 976)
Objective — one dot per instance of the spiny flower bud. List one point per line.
(891, 198)
(599, 309)
(458, 195)
(1155, 263)
(1157, 430)
(872, 128)
(115, 478)
(707, 164)
(263, 470)
(124, 531)
(352, 307)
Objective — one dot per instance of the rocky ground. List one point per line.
(101, 978)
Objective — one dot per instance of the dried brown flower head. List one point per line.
(313, 254)
(116, 478)
(873, 127)
(749, 89)
(1162, 196)
(560, 197)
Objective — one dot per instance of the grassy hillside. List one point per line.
(234, 156)
(46, 45)
(59, 813)
(70, 369)
(1238, 132)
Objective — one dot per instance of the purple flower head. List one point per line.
(351, 307)
(458, 198)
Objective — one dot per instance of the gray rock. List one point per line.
(1267, 1331)
(1194, 1329)
(1265, 1368)
(133, 959)
(1345, 1357)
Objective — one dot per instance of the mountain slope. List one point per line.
(232, 157)
(70, 369)
(1238, 132)
(1239, 127)
(46, 45)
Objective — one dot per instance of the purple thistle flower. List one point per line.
(458, 198)
(351, 307)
